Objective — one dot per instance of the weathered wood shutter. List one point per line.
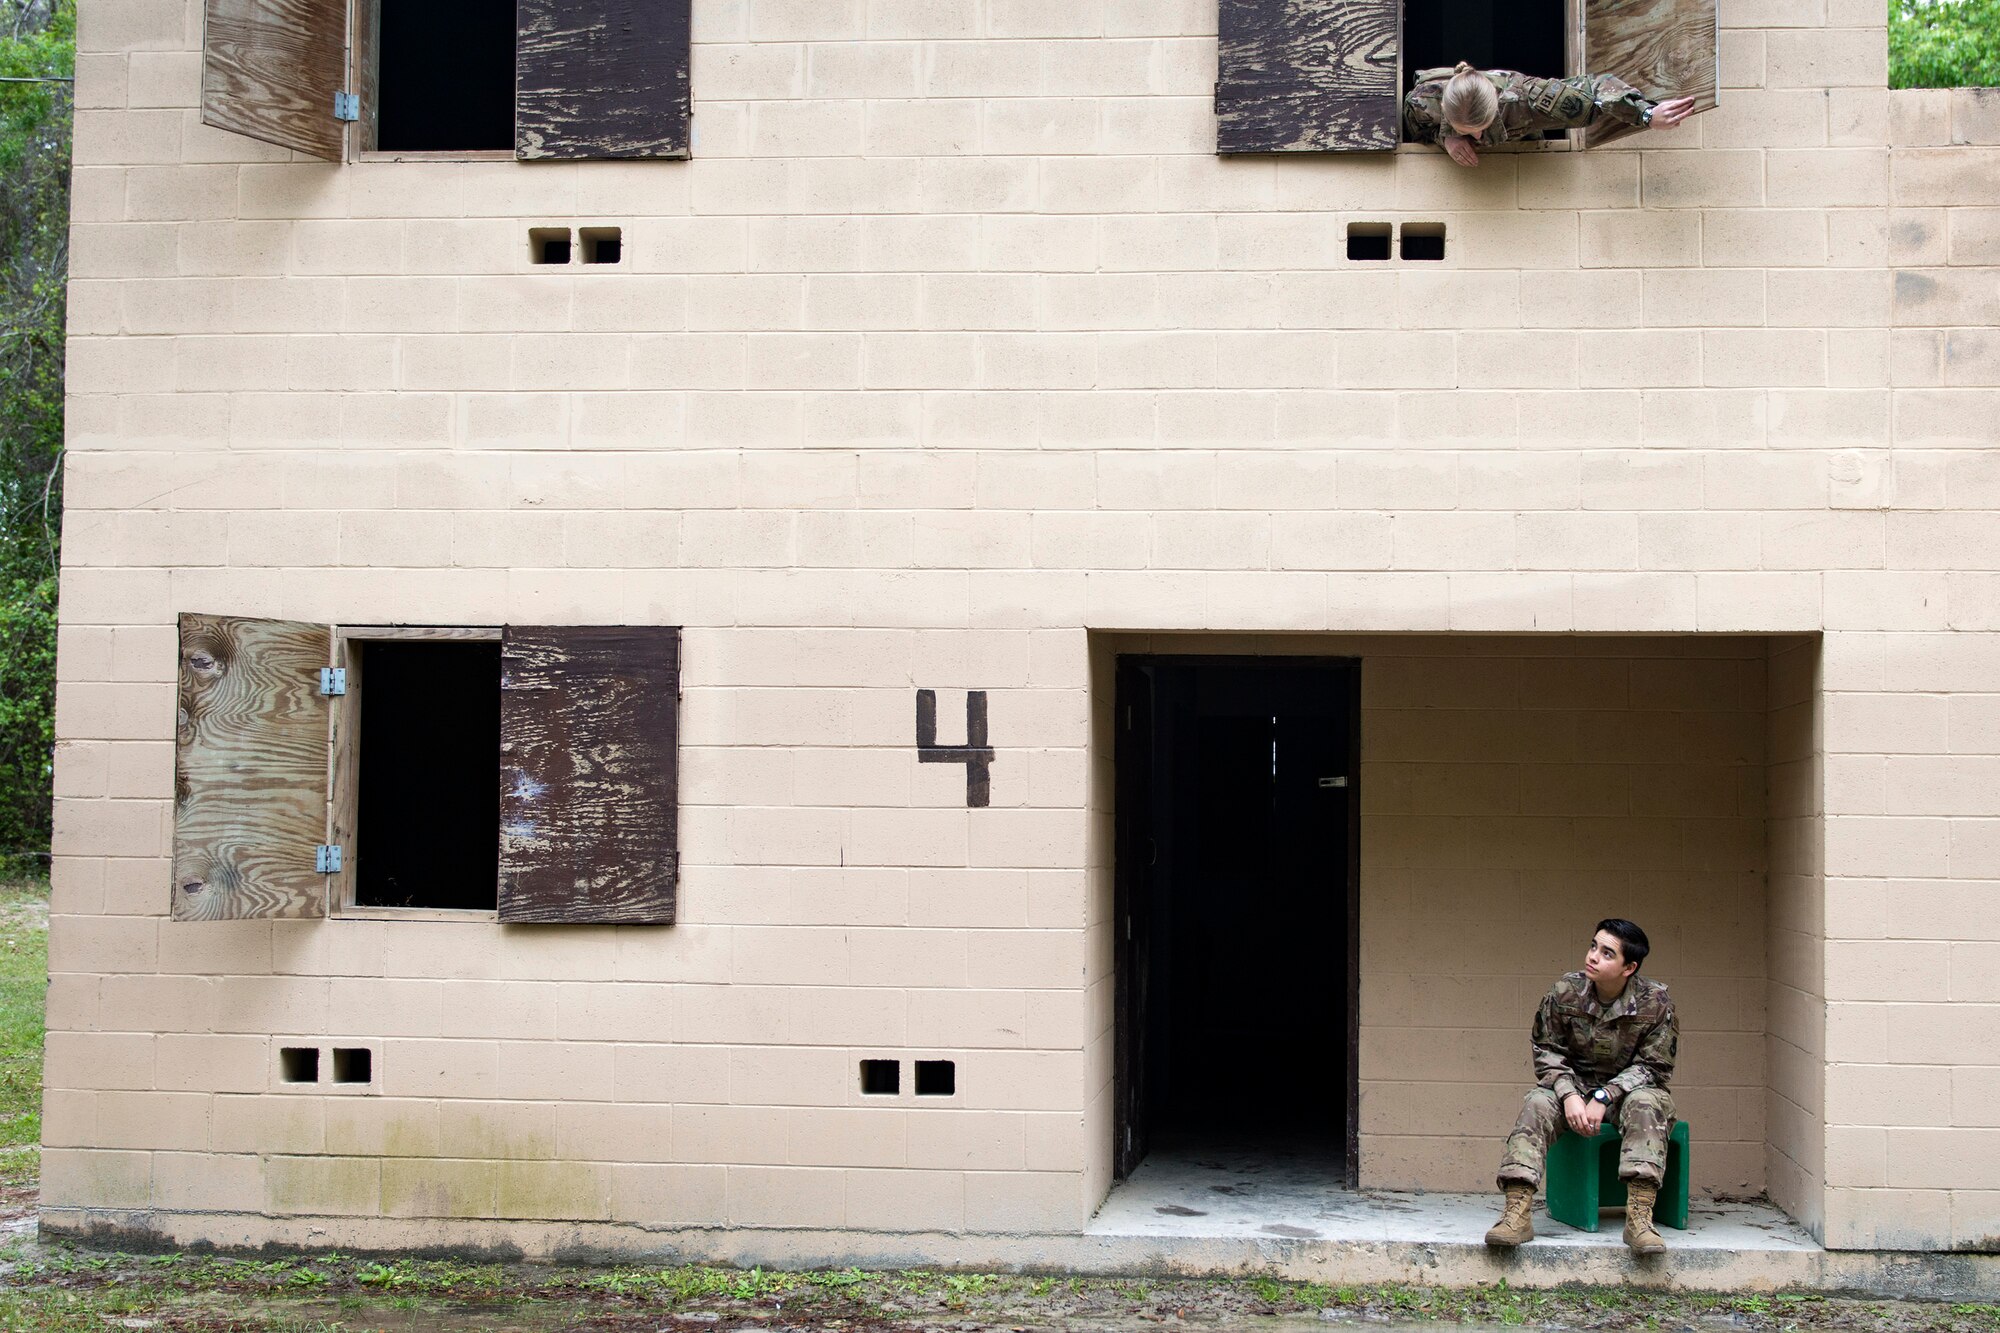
(250, 769)
(589, 774)
(1664, 48)
(601, 78)
(1308, 76)
(270, 69)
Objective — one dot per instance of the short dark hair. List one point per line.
(1631, 940)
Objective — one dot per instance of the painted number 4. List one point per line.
(975, 754)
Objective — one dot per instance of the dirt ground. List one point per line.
(59, 1289)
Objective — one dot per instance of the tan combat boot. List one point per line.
(1640, 1234)
(1515, 1225)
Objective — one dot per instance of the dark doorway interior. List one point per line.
(444, 76)
(1524, 35)
(427, 818)
(1236, 856)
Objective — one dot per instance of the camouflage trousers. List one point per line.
(1645, 1118)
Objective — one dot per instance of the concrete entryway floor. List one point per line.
(1195, 1205)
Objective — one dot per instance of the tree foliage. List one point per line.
(37, 56)
(1944, 43)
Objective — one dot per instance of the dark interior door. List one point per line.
(1238, 980)
(1137, 857)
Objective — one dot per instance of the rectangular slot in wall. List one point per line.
(881, 1078)
(1368, 240)
(1423, 240)
(602, 245)
(353, 1064)
(1487, 34)
(937, 1078)
(548, 245)
(298, 1064)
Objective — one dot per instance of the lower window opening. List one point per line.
(298, 1064)
(427, 818)
(881, 1078)
(444, 76)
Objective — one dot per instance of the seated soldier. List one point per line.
(1604, 1042)
(1465, 109)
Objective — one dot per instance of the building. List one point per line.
(1171, 646)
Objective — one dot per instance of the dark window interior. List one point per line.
(881, 1078)
(1524, 35)
(445, 76)
(427, 822)
(936, 1078)
(298, 1064)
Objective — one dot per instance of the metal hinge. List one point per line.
(346, 106)
(326, 859)
(332, 680)
(1333, 782)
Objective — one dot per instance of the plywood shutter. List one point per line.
(250, 769)
(589, 774)
(601, 78)
(1664, 48)
(270, 68)
(1308, 76)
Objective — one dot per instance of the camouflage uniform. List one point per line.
(1526, 105)
(1626, 1047)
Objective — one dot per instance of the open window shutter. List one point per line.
(270, 69)
(589, 774)
(601, 78)
(250, 769)
(1308, 76)
(1664, 48)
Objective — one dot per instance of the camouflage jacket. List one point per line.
(1580, 1044)
(1526, 105)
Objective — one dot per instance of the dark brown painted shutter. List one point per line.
(1308, 76)
(601, 78)
(1664, 48)
(589, 774)
(250, 769)
(270, 68)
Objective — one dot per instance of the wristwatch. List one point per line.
(1601, 1097)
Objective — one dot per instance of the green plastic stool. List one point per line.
(1582, 1177)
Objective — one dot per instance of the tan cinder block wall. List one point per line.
(1516, 791)
(1912, 917)
(1795, 1004)
(953, 342)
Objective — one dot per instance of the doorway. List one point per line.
(1237, 908)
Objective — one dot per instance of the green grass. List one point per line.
(1944, 43)
(24, 984)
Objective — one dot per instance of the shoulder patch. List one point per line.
(1572, 105)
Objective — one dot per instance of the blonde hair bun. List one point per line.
(1470, 98)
